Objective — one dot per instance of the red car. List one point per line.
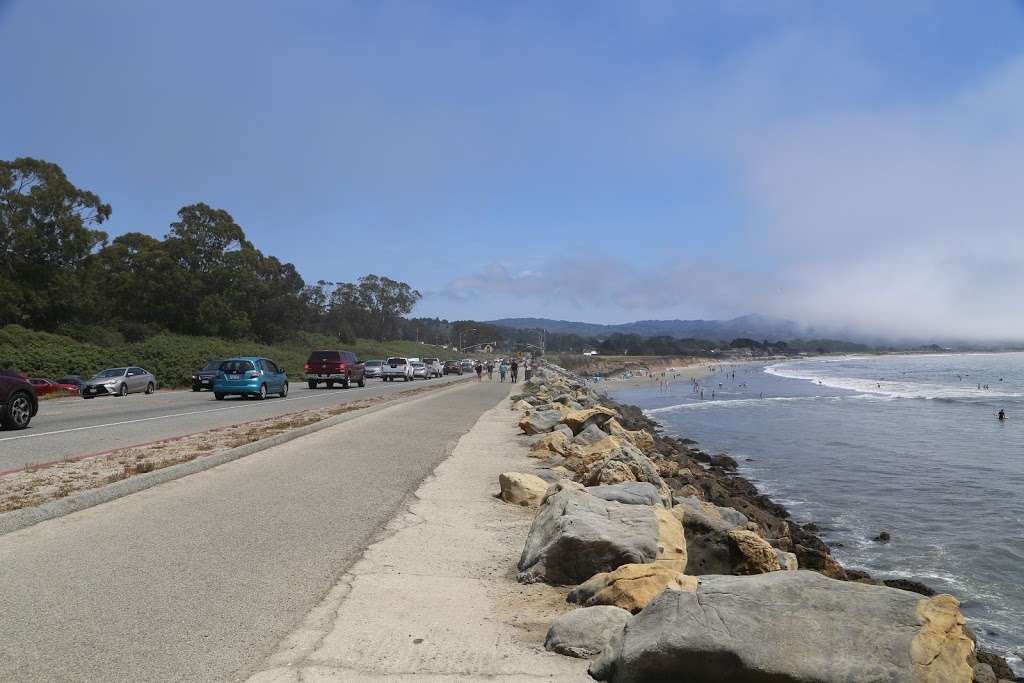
(331, 367)
(44, 387)
(18, 402)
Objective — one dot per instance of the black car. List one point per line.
(203, 378)
(75, 380)
(18, 402)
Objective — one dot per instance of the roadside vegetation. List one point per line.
(174, 357)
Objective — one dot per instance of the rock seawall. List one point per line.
(722, 585)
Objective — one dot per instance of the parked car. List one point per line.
(250, 376)
(18, 401)
(467, 365)
(204, 376)
(74, 380)
(420, 370)
(45, 387)
(334, 366)
(119, 382)
(452, 367)
(434, 366)
(396, 368)
(373, 368)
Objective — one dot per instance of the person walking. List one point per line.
(502, 369)
(490, 370)
(479, 371)
(515, 370)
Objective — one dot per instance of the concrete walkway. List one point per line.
(436, 598)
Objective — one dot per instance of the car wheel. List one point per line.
(219, 397)
(311, 385)
(362, 380)
(344, 384)
(263, 392)
(123, 391)
(330, 384)
(18, 411)
(88, 398)
(150, 388)
(284, 390)
(196, 388)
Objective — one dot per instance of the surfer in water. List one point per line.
(1001, 415)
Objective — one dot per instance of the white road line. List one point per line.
(156, 417)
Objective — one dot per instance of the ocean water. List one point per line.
(906, 444)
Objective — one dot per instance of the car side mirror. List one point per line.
(282, 371)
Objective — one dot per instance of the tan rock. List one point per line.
(523, 489)
(671, 542)
(631, 586)
(576, 418)
(562, 485)
(640, 438)
(552, 442)
(758, 555)
(667, 468)
(522, 406)
(562, 473)
(942, 649)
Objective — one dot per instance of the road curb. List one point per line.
(15, 520)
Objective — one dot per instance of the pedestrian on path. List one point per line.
(479, 371)
(490, 370)
(515, 371)
(503, 369)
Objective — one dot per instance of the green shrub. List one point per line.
(174, 357)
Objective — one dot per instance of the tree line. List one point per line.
(60, 272)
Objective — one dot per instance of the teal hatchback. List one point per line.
(250, 376)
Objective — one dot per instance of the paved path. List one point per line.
(72, 427)
(200, 578)
(436, 599)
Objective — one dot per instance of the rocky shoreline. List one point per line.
(683, 568)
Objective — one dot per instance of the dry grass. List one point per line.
(37, 484)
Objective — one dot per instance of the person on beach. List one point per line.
(479, 371)
(502, 369)
(1001, 414)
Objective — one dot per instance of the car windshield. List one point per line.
(419, 365)
(212, 365)
(396, 361)
(321, 356)
(374, 363)
(429, 360)
(236, 367)
(112, 372)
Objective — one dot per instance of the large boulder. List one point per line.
(585, 632)
(625, 463)
(589, 436)
(629, 492)
(576, 535)
(523, 489)
(523, 406)
(578, 420)
(733, 517)
(631, 586)
(791, 627)
(540, 421)
(640, 438)
(715, 546)
(551, 443)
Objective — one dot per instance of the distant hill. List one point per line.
(752, 326)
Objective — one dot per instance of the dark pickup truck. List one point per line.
(330, 367)
(18, 402)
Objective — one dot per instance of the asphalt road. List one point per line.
(198, 579)
(74, 427)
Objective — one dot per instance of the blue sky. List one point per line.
(843, 164)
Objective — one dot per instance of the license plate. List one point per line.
(234, 377)
(206, 381)
(323, 375)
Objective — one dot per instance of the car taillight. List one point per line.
(308, 366)
(255, 373)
